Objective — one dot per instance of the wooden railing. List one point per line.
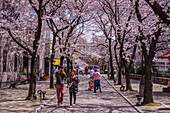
(158, 80)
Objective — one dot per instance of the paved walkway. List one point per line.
(13, 100)
(160, 97)
(109, 101)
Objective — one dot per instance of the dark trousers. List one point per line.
(72, 94)
(97, 84)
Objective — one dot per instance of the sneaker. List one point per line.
(58, 104)
(70, 106)
(61, 101)
(74, 104)
(94, 92)
(100, 91)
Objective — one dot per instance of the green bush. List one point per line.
(139, 69)
(132, 70)
(23, 73)
(101, 71)
(154, 66)
(166, 75)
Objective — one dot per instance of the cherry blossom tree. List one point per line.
(153, 37)
(161, 9)
(22, 20)
(73, 16)
(118, 15)
(55, 29)
(103, 23)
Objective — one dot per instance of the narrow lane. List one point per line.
(109, 101)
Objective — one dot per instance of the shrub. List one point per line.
(23, 73)
(101, 71)
(132, 70)
(166, 75)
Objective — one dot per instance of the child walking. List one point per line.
(73, 87)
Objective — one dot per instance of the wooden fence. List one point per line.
(158, 80)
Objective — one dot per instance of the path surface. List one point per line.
(109, 101)
(13, 100)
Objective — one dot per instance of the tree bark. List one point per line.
(120, 73)
(61, 60)
(52, 60)
(128, 68)
(32, 87)
(68, 66)
(127, 73)
(51, 72)
(111, 60)
(71, 65)
(158, 10)
(148, 96)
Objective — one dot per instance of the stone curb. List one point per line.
(42, 105)
(124, 97)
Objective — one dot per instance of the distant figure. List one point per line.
(73, 86)
(91, 74)
(86, 70)
(77, 70)
(91, 71)
(96, 76)
(60, 76)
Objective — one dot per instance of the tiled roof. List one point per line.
(166, 55)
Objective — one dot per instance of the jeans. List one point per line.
(97, 84)
(60, 90)
(72, 94)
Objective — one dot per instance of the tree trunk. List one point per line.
(71, 65)
(148, 96)
(52, 60)
(127, 73)
(61, 60)
(128, 83)
(32, 87)
(120, 73)
(128, 68)
(111, 60)
(51, 72)
(68, 66)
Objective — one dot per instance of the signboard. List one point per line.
(56, 61)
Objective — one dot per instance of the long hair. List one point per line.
(74, 71)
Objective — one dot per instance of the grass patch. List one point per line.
(152, 104)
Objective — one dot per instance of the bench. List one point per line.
(167, 89)
(12, 84)
(23, 81)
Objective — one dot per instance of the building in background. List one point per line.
(15, 62)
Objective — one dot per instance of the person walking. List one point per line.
(91, 74)
(77, 70)
(60, 76)
(73, 87)
(96, 76)
(86, 70)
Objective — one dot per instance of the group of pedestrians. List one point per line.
(72, 82)
(95, 77)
